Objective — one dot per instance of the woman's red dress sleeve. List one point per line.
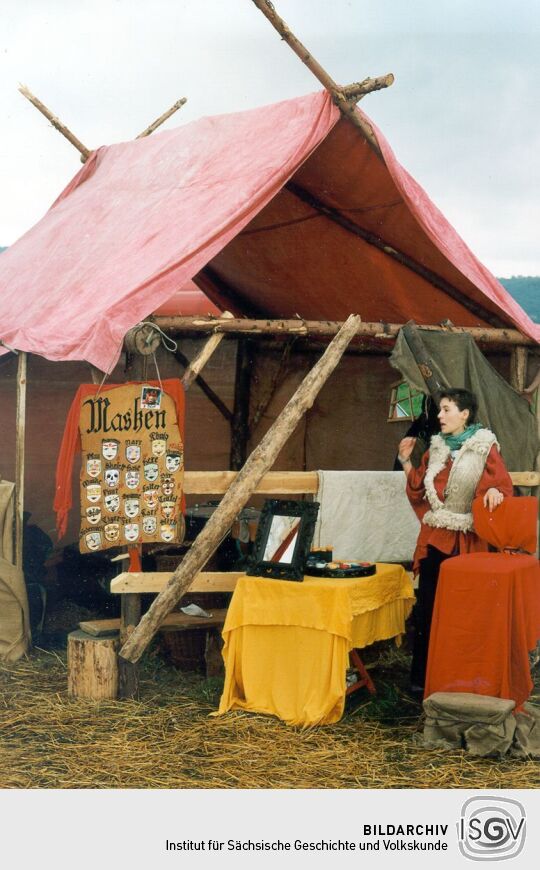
(495, 475)
(416, 491)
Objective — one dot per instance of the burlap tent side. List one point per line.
(14, 616)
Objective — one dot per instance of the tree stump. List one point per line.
(92, 666)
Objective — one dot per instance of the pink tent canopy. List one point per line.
(211, 201)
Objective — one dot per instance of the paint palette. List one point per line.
(340, 569)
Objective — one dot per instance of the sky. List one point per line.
(462, 115)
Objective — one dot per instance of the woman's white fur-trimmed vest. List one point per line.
(467, 469)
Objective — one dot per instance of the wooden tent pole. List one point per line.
(345, 97)
(242, 389)
(162, 118)
(128, 673)
(196, 324)
(65, 131)
(20, 457)
(518, 368)
(258, 463)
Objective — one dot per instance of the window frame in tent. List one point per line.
(409, 395)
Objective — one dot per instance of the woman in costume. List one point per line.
(462, 462)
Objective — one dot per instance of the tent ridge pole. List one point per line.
(377, 330)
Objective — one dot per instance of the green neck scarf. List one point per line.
(454, 442)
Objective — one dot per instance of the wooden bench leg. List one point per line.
(212, 654)
(128, 673)
(365, 679)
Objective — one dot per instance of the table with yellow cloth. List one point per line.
(286, 644)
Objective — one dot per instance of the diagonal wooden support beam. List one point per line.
(210, 346)
(205, 388)
(344, 98)
(337, 217)
(258, 463)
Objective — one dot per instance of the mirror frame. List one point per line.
(307, 511)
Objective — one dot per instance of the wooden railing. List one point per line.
(217, 483)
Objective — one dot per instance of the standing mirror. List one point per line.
(284, 537)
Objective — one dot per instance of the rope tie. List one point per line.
(167, 342)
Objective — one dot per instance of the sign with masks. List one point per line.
(132, 468)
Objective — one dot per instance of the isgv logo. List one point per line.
(491, 828)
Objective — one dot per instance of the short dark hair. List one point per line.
(464, 399)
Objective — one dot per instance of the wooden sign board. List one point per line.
(132, 468)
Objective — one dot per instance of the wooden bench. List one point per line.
(172, 622)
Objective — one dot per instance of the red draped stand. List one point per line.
(487, 611)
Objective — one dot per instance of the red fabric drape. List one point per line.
(485, 621)
(512, 524)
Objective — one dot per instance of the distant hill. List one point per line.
(524, 289)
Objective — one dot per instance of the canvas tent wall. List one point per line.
(346, 428)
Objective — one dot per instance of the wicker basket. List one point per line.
(184, 649)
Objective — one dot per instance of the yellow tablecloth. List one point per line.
(287, 644)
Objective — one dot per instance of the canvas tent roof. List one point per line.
(141, 218)
(188, 300)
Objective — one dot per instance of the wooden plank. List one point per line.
(183, 622)
(100, 627)
(291, 482)
(172, 622)
(525, 478)
(273, 483)
(156, 581)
